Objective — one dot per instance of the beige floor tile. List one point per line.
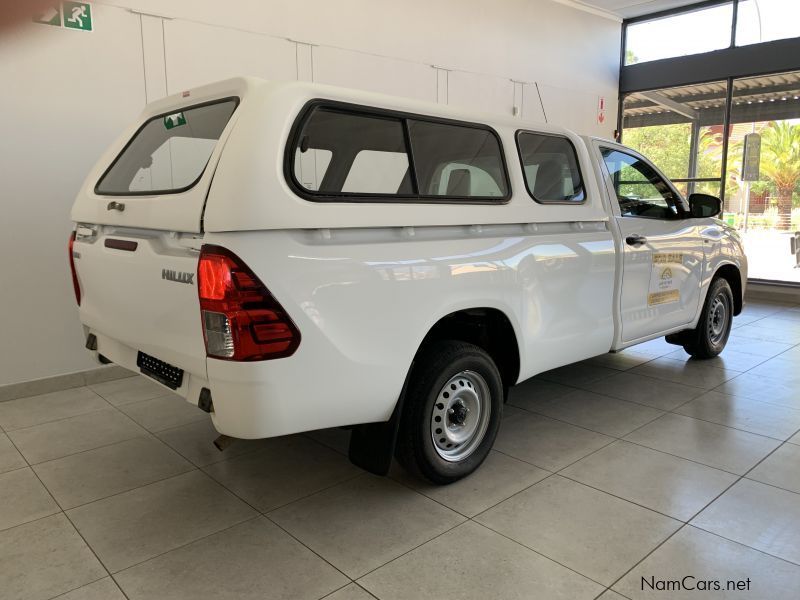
(597, 412)
(665, 483)
(164, 412)
(104, 589)
(23, 498)
(45, 558)
(749, 345)
(88, 476)
(781, 469)
(757, 332)
(703, 556)
(288, 468)
(472, 562)
(792, 353)
(10, 459)
(779, 321)
(581, 373)
(106, 373)
(335, 438)
(766, 389)
(76, 434)
(795, 439)
(129, 389)
(132, 527)
(545, 442)
(532, 390)
(254, 560)
(729, 359)
(497, 479)
(621, 361)
(779, 368)
(760, 516)
(655, 348)
(611, 595)
(660, 394)
(196, 443)
(595, 534)
(34, 410)
(772, 420)
(707, 443)
(364, 523)
(696, 373)
(350, 592)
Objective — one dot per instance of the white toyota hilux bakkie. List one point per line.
(292, 256)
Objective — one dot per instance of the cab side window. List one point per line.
(551, 170)
(640, 190)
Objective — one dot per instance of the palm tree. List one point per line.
(780, 162)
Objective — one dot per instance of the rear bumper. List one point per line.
(289, 395)
(253, 400)
(125, 356)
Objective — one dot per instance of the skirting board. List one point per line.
(62, 382)
(772, 291)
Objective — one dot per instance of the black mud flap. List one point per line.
(372, 444)
(679, 338)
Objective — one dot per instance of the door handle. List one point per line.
(635, 240)
(115, 206)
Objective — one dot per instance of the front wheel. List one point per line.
(452, 411)
(708, 339)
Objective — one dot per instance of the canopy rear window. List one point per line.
(169, 153)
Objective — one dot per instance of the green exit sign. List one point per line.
(69, 15)
(77, 15)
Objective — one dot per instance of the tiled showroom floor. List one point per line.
(624, 466)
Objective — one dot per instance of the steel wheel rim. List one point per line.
(460, 416)
(718, 318)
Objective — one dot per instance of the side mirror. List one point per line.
(703, 206)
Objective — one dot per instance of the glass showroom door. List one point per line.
(762, 189)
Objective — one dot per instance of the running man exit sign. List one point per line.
(68, 15)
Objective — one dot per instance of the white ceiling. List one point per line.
(635, 8)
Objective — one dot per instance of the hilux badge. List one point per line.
(178, 276)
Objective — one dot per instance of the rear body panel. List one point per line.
(143, 299)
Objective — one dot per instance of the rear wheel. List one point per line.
(452, 411)
(708, 339)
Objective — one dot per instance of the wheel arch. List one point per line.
(731, 273)
(372, 444)
(487, 327)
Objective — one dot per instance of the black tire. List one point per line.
(469, 367)
(708, 339)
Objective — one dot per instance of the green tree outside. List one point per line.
(780, 163)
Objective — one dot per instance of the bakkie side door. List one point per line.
(662, 250)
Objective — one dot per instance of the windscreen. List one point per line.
(169, 152)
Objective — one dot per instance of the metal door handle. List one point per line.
(635, 240)
(115, 206)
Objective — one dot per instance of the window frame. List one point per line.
(236, 101)
(517, 135)
(682, 214)
(293, 139)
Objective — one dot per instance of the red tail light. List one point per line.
(75, 284)
(241, 319)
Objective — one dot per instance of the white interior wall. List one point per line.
(67, 94)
